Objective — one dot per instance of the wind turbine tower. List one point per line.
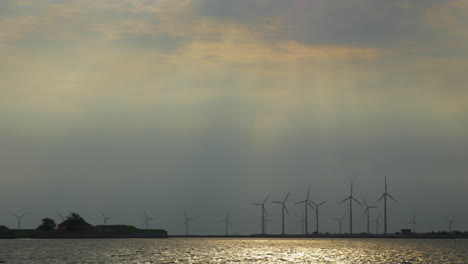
(377, 224)
(367, 211)
(18, 218)
(351, 199)
(317, 215)
(340, 220)
(283, 209)
(186, 222)
(384, 196)
(306, 205)
(413, 222)
(302, 221)
(227, 221)
(449, 222)
(263, 213)
(147, 220)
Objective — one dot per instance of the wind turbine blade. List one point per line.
(365, 211)
(313, 203)
(256, 204)
(311, 206)
(322, 203)
(344, 200)
(308, 192)
(286, 197)
(266, 199)
(286, 209)
(146, 215)
(276, 202)
(265, 211)
(357, 201)
(185, 214)
(300, 202)
(381, 197)
(392, 198)
(364, 201)
(351, 187)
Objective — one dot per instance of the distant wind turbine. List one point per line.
(351, 198)
(317, 215)
(340, 220)
(18, 218)
(413, 222)
(449, 222)
(106, 217)
(186, 222)
(147, 220)
(377, 224)
(302, 222)
(263, 213)
(367, 212)
(283, 209)
(306, 203)
(62, 217)
(227, 221)
(384, 196)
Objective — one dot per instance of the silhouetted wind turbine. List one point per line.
(413, 222)
(317, 215)
(283, 208)
(186, 222)
(340, 220)
(263, 213)
(351, 198)
(367, 211)
(449, 222)
(62, 217)
(227, 221)
(106, 218)
(18, 218)
(147, 219)
(377, 224)
(384, 196)
(302, 222)
(306, 204)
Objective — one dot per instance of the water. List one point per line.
(201, 250)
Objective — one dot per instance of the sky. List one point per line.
(208, 106)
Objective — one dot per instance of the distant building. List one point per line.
(74, 226)
(4, 229)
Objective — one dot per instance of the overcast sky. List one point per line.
(210, 105)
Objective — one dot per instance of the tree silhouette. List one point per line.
(47, 225)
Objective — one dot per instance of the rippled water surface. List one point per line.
(201, 250)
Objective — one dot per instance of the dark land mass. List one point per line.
(114, 231)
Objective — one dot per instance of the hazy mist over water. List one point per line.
(234, 251)
(207, 106)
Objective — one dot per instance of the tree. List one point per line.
(47, 225)
(76, 218)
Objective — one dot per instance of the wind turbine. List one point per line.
(413, 222)
(147, 219)
(367, 211)
(317, 215)
(19, 217)
(107, 218)
(302, 221)
(306, 204)
(351, 198)
(384, 196)
(377, 224)
(449, 222)
(226, 220)
(283, 208)
(340, 220)
(62, 217)
(263, 213)
(186, 222)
